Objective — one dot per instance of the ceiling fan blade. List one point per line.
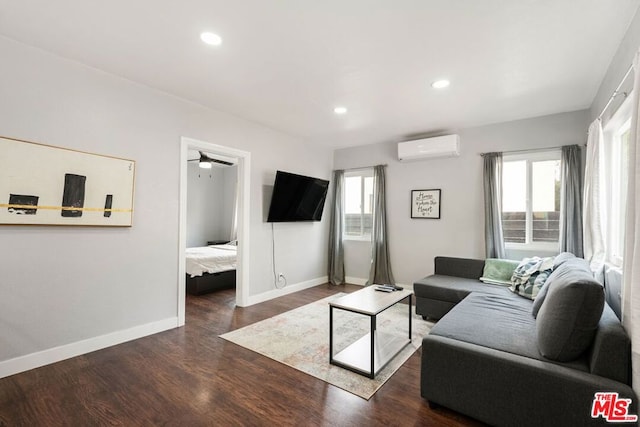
(222, 162)
(204, 158)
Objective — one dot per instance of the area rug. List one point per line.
(300, 339)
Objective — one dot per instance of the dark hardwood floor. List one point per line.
(190, 377)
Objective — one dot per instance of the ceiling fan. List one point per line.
(206, 162)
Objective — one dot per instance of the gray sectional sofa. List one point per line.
(490, 358)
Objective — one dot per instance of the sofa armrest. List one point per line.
(460, 267)
(610, 353)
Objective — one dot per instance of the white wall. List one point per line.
(460, 231)
(210, 203)
(61, 285)
(619, 65)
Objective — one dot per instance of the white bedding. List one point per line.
(210, 259)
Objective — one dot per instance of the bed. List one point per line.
(210, 268)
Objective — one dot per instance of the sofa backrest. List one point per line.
(468, 268)
(609, 354)
(568, 318)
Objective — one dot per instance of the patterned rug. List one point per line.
(300, 339)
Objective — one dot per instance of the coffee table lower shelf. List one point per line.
(357, 356)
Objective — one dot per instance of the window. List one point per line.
(616, 135)
(618, 188)
(531, 199)
(358, 204)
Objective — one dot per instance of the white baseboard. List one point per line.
(356, 281)
(275, 293)
(363, 282)
(57, 354)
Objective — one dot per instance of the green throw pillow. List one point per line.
(498, 271)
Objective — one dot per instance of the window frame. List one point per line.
(619, 123)
(362, 173)
(530, 157)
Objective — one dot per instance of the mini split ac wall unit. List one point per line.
(428, 148)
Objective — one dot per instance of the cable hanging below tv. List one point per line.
(297, 198)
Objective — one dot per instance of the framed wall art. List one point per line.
(425, 204)
(46, 185)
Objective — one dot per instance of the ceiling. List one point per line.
(287, 63)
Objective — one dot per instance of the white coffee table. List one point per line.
(368, 355)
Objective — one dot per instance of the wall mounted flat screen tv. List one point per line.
(297, 198)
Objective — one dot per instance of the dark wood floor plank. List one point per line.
(190, 376)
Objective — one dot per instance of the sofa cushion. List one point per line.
(498, 271)
(498, 321)
(467, 268)
(502, 322)
(568, 318)
(450, 288)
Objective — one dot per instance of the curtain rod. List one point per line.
(533, 150)
(616, 92)
(363, 167)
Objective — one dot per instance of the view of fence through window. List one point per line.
(358, 206)
(531, 201)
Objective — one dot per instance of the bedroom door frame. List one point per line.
(244, 180)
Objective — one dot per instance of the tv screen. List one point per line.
(297, 198)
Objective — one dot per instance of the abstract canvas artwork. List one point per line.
(46, 185)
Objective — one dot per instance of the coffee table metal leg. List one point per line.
(373, 346)
(330, 334)
(409, 317)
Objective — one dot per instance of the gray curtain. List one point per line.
(493, 237)
(380, 265)
(336, 249)
(571, 200)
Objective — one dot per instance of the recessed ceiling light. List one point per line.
(210, 38)
(340, 110)
(440, 84)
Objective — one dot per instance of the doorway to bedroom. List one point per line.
(229, 202)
